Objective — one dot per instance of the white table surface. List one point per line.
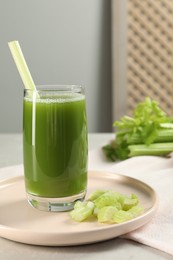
(120, 249)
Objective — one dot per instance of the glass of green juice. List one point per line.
(55, 146)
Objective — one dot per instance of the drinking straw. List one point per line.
(21, 65)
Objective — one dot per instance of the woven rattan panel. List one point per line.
(150, 52)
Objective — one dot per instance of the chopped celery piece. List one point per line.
(136, 211)
(79, 204)
(122, 199)
(109, 198)
(125, 200)
(118, 205)
(81, 213)
(96, 194)
(130, 202)
(121, 216)
(106, 214)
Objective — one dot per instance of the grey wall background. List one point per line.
(64, 42)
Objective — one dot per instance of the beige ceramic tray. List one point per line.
(22, 223)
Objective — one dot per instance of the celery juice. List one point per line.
(55, 145)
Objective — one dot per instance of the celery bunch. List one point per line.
(108, 207)
(148, 132)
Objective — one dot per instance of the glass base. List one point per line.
(54, 204)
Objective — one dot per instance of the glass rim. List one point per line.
(56, 87)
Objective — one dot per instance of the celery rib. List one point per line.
(164, 135)
(152, 149)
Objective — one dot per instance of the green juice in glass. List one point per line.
(55, 147)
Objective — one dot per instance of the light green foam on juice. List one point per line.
(54, 98)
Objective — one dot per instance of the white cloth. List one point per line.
(158, 173)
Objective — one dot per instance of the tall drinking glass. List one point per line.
(55, 146)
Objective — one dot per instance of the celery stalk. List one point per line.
(164, 135)
(158, 149)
